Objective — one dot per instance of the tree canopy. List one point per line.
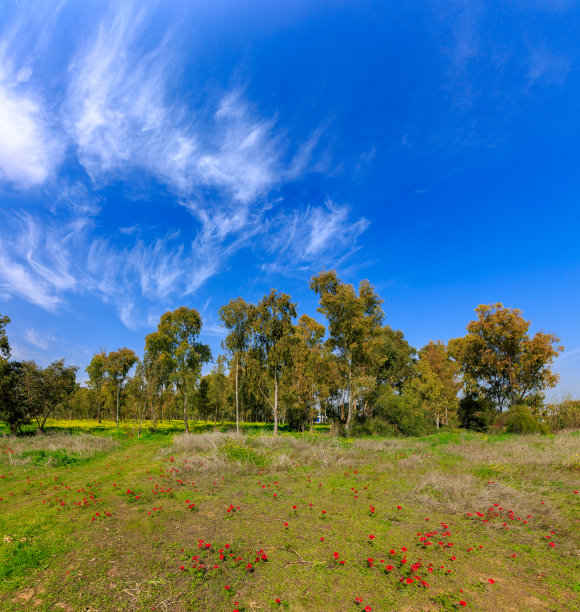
(499, 359)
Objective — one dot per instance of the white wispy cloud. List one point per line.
(30, 149)
(569, 356)
(122, 117)
(41, 340)
(312, 238)
(117, 112)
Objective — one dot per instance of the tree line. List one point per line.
(355, 371)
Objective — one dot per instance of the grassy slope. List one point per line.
(54, 556)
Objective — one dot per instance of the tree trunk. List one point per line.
(351, 404)
(185, 412)
(118, 388)
(312, 408)
(275, 405)
(237, 401)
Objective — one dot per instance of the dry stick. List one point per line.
(301, 559)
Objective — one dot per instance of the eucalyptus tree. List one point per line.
(438, 383)
(156, 371)
(218, 385)
(272, 328)
(307, 364)
(176, 341)
(119, 363)
(355, 330)
(236, 317)
(97, 371)
(4, 344)
(500, 361)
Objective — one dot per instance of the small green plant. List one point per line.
(234, 450)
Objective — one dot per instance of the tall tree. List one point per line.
(137, 394)
(399, 366)
(272, 326)
(45, 389)
(499, 360)
(438, 383)
(308, 357)
(4, 344)
(176, 341)
(119, 363)
(236, 317)
(156, 371)
(217, 392)
(354, 324)
(97, 371)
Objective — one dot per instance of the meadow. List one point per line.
(96, 519)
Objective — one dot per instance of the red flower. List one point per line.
(358, 600)
(368, 609)
(277, 601)
(335, 555)
(462, 603)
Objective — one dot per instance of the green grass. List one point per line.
(110, 528)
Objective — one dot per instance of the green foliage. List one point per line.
(565, 415)
(355, 333)
(56, 458)
(475, 412)
(234, 450)
(499, 360)
(375, 427)
(4, 344)
(405, 413)
(521, 420)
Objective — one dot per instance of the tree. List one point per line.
(118, 364)
(217, 392)
(4, 344)
(354, 332)
(438, 383)
(499, 360)
(307, 365)
(97, 371)
(137, 394)
(45, 389)
(399, 364)
(157, 376)
(272, 326)
(13, 408)
(236, 317)
(176, 341)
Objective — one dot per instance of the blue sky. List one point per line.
(154, 154)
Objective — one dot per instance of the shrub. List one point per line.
(235, 450)
(520, 419)
(375, 427)
(565, 415)
(404, 413)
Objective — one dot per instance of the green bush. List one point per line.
(233, 450)
(403, 413)
(565, 415)
(374, 427)
(520, 419)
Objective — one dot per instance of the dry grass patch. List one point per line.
(53, 448)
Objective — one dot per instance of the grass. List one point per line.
(124, 523)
